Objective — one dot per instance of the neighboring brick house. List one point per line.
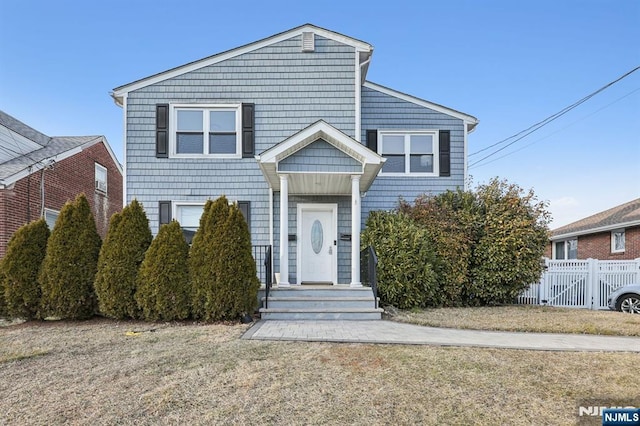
(613, 234)
(39, 173)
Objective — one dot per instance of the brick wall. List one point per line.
(21, 203)
(598, 246)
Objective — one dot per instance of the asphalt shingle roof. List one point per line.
(622, 214)
(47, 147)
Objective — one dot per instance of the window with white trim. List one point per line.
(566, 249)
(617, 241)
(206, 131)
(188, 215)
(409, 152)
(50, 216)
(101, 178)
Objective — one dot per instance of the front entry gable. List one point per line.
(320, 159)
(320, 156)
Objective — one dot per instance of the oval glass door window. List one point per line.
(316, 236)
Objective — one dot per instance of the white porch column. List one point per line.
(284, 232)
(355, 231)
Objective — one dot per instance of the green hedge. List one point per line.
(122, 253)
(406, 278)
(163, 280)
(20, 268)
(70, 264)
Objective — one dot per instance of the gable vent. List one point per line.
(308, 42)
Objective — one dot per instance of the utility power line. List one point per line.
(526, 132)
(559, 130)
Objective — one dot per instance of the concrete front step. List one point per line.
(320, 303)
(321, 314)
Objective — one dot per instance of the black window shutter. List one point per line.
(372, 140)
(245, 208)
(162, 130)
(164, 207)
(445, 153)
(248, 131)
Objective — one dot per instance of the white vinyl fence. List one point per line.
(581, 283)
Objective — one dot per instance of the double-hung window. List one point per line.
(211, 131)
(101, 178)
(567, 249)
(617, 241)
(409, 152)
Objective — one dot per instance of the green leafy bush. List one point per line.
(204, 250)
(20, 268)
(122, 253)
(406, 278)
(70, 264)
(236, 282)
(163, 280)
(451, 222)
(507, 256)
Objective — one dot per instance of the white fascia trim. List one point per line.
(617, 226)
(465, 150)
(124, 149)
(469, 120)
(118, 92)
(358, 97)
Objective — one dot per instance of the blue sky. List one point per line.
(511, 64)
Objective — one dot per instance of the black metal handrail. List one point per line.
(267, 282)
(262, 255)
(368, 265)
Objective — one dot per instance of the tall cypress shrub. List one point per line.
(236, 281)
(20, 268)
(163, 280)
(204, 250)
(70, 264)
(122, 253)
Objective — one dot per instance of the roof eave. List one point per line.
(120, 91)
(595, 230)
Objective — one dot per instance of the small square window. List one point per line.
(50, 216)
(101, 178)
(617, 241)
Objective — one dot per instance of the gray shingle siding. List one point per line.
(290, 89)
(320, 156)
(382, 112)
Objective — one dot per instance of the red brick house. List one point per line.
(613, 234)
(39, 173)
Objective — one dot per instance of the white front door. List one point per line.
(317, 250)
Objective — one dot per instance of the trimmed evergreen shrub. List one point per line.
(204, 250)
(236, 281)
(122, 253)
(70, 264)
(406, 278)
(163, 280)
(20, 268)
(3, 303)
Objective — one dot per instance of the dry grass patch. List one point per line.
(96, 373)
(542, 319)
